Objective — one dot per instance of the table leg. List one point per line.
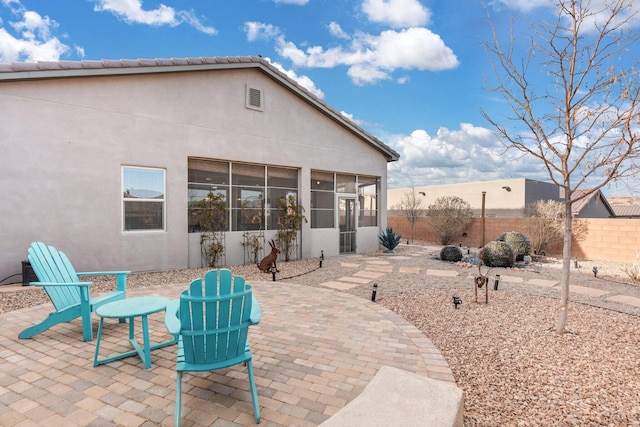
(145, 337)
(143, 352)
(131, 328)
(95, 357)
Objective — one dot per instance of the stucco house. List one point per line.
(102, 159)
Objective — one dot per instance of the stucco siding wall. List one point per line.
(64, 142)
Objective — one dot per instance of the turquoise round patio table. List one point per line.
(130, 308)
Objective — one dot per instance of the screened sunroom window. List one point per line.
(206, 176)
(322, 199)
(368, 201)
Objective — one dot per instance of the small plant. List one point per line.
(451, 253)
(211, 216)
(212, 249)
(253, 245)
(634, 271)
(497, 254)
(448, 216)
(389, 240)
(290, 218)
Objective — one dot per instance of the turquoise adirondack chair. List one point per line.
(211, 323)
(70, 296)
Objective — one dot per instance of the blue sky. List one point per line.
(410, 72)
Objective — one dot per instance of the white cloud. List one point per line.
(296, 2)
(598, 11)
(601, 15)
(304, 81)
(397, 13)
(131, 11)
(34, 40)
(370, 58)
(34, 26)
(258, 30)
(336, 30)
(359, 122)
(523, 5)
(470, 153)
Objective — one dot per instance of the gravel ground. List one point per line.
(514, 368)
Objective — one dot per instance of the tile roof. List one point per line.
(86, 68)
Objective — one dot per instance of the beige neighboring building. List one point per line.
(503, 198)
(102, 159)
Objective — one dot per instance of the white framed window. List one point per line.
(143, 198)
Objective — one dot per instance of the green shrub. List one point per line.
(520, 243)
(451, 253)
(497, 254)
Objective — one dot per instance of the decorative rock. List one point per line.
(451, 253)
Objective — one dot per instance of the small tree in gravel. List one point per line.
(448, 216)
(411, 208)
(580, 122)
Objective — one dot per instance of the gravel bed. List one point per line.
(514, 368)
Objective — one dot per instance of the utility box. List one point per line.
(28, 275)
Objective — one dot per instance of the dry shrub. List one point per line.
(634, 271)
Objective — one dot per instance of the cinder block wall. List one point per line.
(614, 239)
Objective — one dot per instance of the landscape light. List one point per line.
(456, 301)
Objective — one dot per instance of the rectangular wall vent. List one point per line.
(254, 99)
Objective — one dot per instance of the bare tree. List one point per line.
(544, 225)
(411, 207)
(582, 123)
(448, 216)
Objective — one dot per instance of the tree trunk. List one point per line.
(566, 266)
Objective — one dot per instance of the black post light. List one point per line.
(273, 272)
(373, 293)
(495, 284)
(595, 271)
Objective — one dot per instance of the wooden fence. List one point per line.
(614, 239)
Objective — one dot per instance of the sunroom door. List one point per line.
(347, 221)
